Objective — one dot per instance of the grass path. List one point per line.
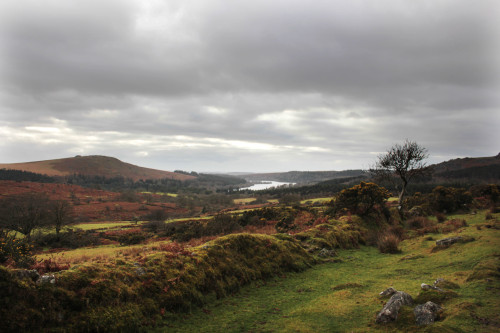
(343, 296)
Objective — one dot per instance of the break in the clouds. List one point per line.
(212, 85)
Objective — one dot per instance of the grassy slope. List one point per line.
(94, 166)
(320, 299)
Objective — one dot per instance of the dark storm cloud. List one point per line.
(334, 80)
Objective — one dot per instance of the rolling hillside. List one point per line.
(469, 168)
(94, 165)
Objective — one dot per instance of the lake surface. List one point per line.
(265, 185)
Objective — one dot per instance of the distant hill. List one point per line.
(302, 177)
(94, 165)
(469, 168)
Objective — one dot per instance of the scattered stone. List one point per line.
(425, 286)
(452, 240)
(388, 292)
(25, 274)
(325, 253)
(46, 279)
(425, 314)
(391, 309)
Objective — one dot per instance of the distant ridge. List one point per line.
(469, 168)
(94, 165)
(303, 177)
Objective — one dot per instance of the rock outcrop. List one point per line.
(425, 314)
(391, 308)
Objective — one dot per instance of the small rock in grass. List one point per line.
(388, 292)
(325, 253)
(391, 309)
(26, 274)
(427, 313)
(452, 240)
(47, 279)
(425, 286)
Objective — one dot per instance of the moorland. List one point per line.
(88, 251)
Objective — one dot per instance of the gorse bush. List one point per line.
(15, 251)
(361, 199)
(450, 199)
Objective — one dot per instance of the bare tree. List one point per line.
(61, 214)
(24, 213)
(403, 161)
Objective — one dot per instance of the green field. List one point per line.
(343, 296)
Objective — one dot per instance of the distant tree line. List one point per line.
(20, 176)
(201, 184)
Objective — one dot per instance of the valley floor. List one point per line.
(344, 296)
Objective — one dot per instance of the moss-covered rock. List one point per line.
(435, 296)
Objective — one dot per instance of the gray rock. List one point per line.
(325, 253)
(46, 279)
(139, 270)
(391, 309)
(425, 286)
(452, 240)
(388, 292)
(25, 274)
(427, 313)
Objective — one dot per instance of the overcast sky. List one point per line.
(212, 85)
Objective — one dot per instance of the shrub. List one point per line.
(132, 238)
(388, 243)
(419, 222)
(450, 199)
(361, 199)
(440, 217)
(15, 251)
(154, 226)
(70, 239)
(490, 193)
(49, 265)
(453, 225)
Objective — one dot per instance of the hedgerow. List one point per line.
(102, 297)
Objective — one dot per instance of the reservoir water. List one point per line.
(264, 185)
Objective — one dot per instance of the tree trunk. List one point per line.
(402, 194)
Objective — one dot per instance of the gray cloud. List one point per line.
(212, 85)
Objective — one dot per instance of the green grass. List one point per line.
(244, 201)
(162, 193)
(102, 225)
(317, 200)
(343, 297)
